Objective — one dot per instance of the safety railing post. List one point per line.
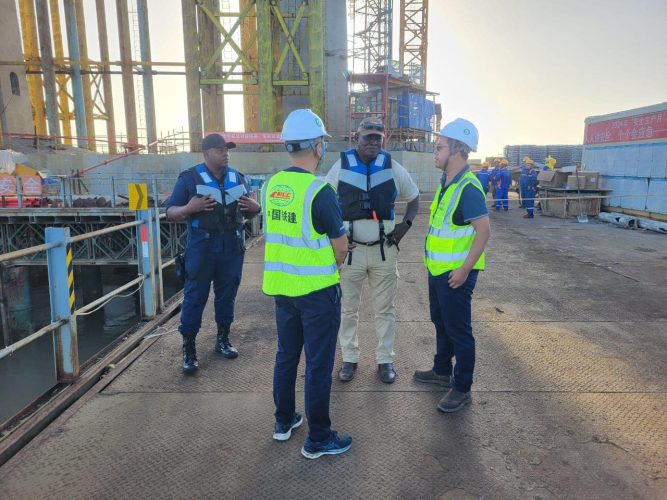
(146, 260)
(157, 248)
(61, 295)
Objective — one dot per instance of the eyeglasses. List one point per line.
(373, 126)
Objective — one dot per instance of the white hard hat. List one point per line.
(462, 130)
(302, 125)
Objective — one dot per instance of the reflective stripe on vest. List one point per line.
(448, 245)
(297, 259)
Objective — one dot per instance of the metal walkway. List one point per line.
(570, 398)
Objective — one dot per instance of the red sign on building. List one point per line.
(649, 126)
(252, 137)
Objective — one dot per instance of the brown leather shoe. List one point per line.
(346, 372)
(387, 372)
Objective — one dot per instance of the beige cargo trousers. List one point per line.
(382, 279)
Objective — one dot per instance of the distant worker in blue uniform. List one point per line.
(529, 188)
(215, 242)
(495, 176)
(484, 177)
(503, 179)
(527, 161)
(306, 243)
(454, 255)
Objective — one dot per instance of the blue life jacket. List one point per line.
(225, 216)
(364, 189)
(484, 177)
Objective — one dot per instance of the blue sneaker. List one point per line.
(338, 444)
(284, 431)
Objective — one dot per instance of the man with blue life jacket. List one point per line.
(454, 255)
(305, 243)
(484, 177)
(369, 183)
(215, 242)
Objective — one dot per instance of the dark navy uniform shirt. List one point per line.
(326, 212)
(472, 204)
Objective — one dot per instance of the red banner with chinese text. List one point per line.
(252, 137)
(649, 126)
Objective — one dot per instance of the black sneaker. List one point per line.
(430, 377)
(338, 444)
(454, 401)
(284, 431)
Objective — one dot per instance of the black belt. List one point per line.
(367, 243)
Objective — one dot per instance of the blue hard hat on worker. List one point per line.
(463, 131)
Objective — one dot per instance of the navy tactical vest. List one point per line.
(225, 216)
(363, 190)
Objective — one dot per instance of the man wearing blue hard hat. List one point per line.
(305, 243)
(215, 242)
(454, 255)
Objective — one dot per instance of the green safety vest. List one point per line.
(448, 245)
(297, 259)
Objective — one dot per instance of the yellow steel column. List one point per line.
(31, 55)
(249, 48)
(192, 73)
(316, 56)
(106, 77)
(61, 79)
(209, 38)
(127, 68)
(85, 74)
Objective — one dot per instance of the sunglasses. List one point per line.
(373, 126)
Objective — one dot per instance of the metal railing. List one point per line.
(58, 247)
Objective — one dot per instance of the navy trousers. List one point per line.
(210, 258)
(451, 313)
(310, 323)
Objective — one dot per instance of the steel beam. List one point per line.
(61, 78)
(106, 77)
(149, 95)
(126, 66)
(31, 54)
(192, 73)
(77, 82)
(249, 48)
(85, 76)
(46, 61)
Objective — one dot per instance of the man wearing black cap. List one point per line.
(212, 198)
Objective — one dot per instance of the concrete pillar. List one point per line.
(61, 79)
(46, 60)
(75, 76)
(316, 56)
(191, 53)
(127, 69)
(85, 76)
(149, 96)
(106, 77)
(209, 39)
(265, 69)
(335, 69)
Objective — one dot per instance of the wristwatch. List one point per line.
(408, 222)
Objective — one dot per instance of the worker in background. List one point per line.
(495, 176)
(529, 189)
(454, 255)
(550, 163)
(305, 245)
(503, 182)
(484, 177)
(523, 180)
(215, 243)
(369, 183)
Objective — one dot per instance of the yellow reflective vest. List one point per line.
(297, 259)
(448, 245)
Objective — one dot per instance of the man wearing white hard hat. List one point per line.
(369, 182)
(305, 243)
(454, 255)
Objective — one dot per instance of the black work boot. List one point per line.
(190, 363)
(222, 344)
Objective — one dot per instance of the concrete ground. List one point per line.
(570, 393)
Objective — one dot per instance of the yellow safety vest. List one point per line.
(297, 259)
(448, 245)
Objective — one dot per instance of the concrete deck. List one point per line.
(570, 395)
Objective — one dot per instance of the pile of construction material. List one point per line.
(565, 155)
